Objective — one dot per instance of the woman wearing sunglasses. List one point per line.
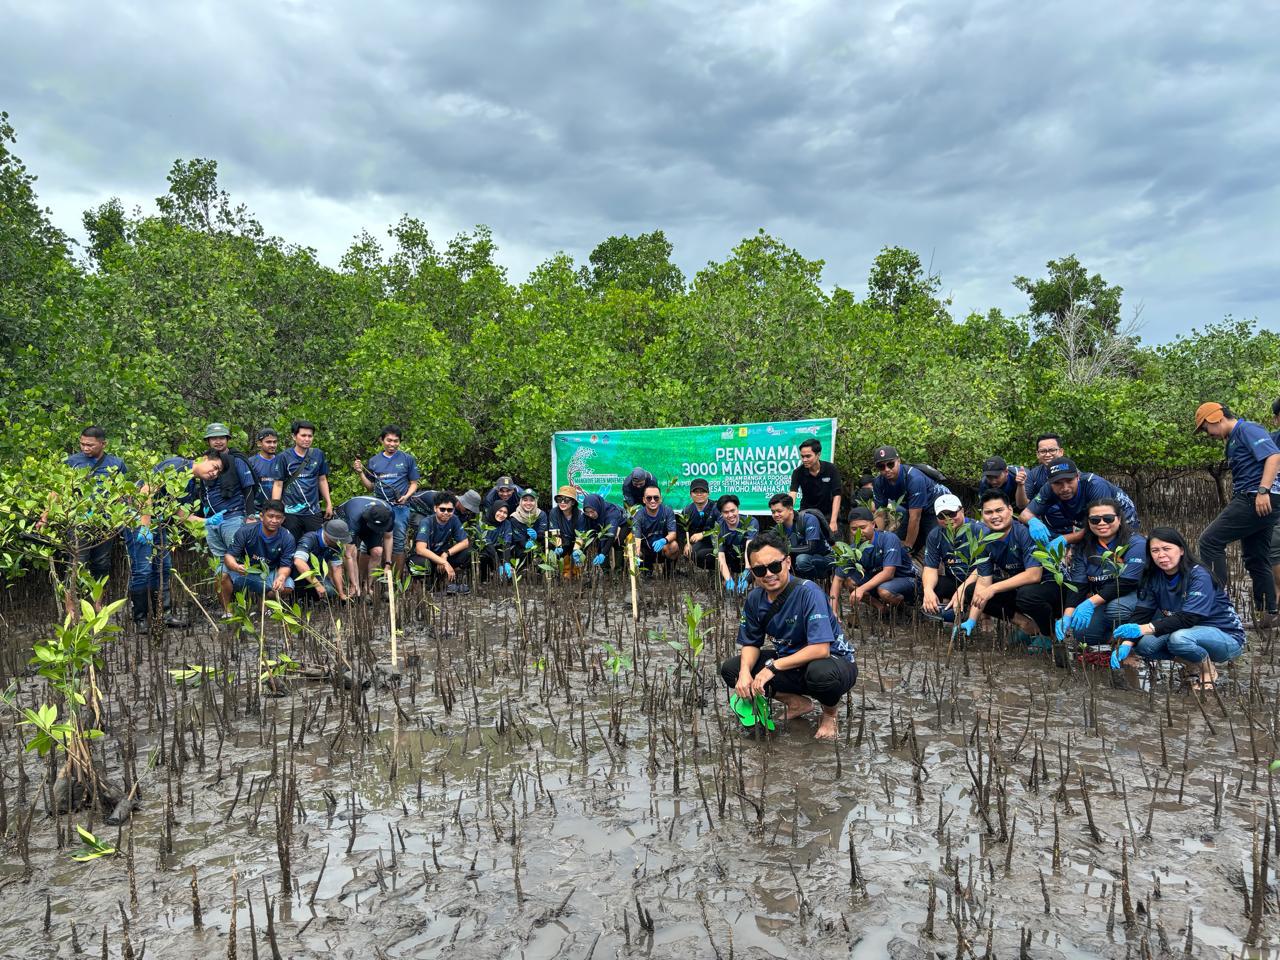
(1106, 568)
(810, 657)
(1183, 613)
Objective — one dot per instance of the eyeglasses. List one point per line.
(760, 569)
(1099, 518)
(948, 514)
(444, 509)
(653, 497)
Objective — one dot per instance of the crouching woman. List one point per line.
(1183, 613)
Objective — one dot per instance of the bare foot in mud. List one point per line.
(797, 706)
(826, 726)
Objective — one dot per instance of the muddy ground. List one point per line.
(563, 784)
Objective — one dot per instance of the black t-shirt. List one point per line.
(816, 493)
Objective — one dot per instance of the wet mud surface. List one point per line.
(561, 784)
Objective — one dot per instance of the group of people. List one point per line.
(270, 522)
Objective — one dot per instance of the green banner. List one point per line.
(753, 460)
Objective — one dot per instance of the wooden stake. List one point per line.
(631, 566)
(391, 602)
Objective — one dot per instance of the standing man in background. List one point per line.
(818, 484)
(263, 466)
(392, 474)
(1250, 515)
(301, 479)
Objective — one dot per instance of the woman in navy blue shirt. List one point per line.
(1183, 613)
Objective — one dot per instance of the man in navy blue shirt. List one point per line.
(998, 475)
(323, 546)
(263, 466)
(1250, 517)
(370, 523)
(266, 546)
(302, 478)
(93, 458)
(810, 657)
(1059, 508)
(699, 519)
(655, 529)
(1008, 573)
(1275, 531)
(1048, 449)
(392, 474)
(227, 501)
(881, 574)
(808, 547)
(503, 491)
(897, 481)
(634, 487)
(949, 552)
(733, 532)
(442, 541)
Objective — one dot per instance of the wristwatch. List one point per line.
(769, 663)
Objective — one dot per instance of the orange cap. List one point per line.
(1209, 412)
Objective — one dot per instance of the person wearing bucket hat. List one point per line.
(370, 525)
(323, 546)
(565, 523)
(1251, 514)
(1059, 509)
(897, 481)
(444, 544)
(633, 488)
(697, 521)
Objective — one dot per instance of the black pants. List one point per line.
(302, 523)
(733, 559)
(1239, 520)
(825, 680)
(1041, 602)
(703, 554)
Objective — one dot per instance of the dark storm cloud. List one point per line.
(990, 137)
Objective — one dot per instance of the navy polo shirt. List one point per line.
(1091, 569)
(316, 544)
(182, 466)
(700, 521)
(915, 489)
(1163, 595)
(301, 476)
(100, 467)
(632, 495)
(735, 538)
(884, 549)
(214, 493)
(273, 552)
(438, 536)
(264, 475)
(1248, 446)
(1063, 516)
(805, 529)
(1010, 555)
(1010, 486)
(649, 528)
(393, 474)
(1037, 477)
(948, 551)
(803, 618)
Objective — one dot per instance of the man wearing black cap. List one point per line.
(998, 475)
(322, 547)
(504, 491)
(1059, 509)
(697, 521)
(633, 489)
(370, 524)
(895, 481)
(1250, 516)
(816, 484)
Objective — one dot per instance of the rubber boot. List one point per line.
(171, 619)
(140, 600)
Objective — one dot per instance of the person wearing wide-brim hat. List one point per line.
(565, 523)
(1250, 516)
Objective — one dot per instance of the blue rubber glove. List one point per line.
(1060, 628)
(531, 542)
(145, 535)
(1055, 543)
(730, 585)
(579, 558)
(1127, 631)
(1039, 532)
(559, 551)
(1083, 616)
(215, 520)
(1119, 653)
(743, 581)
(507, 571)
(967, 627)
(659, 544)
(598, 560)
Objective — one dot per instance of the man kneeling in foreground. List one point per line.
(810, 656)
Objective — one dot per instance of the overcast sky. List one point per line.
(989, 137)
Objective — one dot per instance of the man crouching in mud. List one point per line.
(810, 656)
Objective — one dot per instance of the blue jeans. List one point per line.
(149, 563)
(255, 582)
(1192, 644)
(218, 538)
(400, 523)
(1118, 611)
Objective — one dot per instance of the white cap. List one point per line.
(948, 501)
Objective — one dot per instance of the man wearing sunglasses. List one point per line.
(948, 570)
(655, 529)
(897, 481)
(442, 542)
(810, 658)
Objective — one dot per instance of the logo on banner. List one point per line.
(728, 434)
(594, 438)
(812, 431)
(742, 431)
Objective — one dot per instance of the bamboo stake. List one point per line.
(391, 603)
(631, 566)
